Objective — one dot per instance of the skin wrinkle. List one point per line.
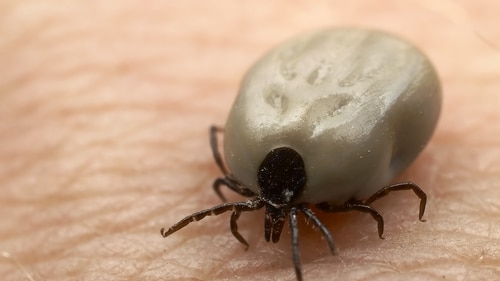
(48, 153)
(106, 109)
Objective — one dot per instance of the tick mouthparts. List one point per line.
(273, 224)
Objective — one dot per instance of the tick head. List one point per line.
(282, 178)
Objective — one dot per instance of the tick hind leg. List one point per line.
(227, 180)
(214, 144)
(355, 205)
(402, 186)
(364, 206)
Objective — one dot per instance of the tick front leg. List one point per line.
(294, 228)
(326, 233)
(236, 207)
(234, 229)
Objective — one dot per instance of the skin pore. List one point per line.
(104, 114)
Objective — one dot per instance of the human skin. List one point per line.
(104, 116)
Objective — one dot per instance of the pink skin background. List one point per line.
(104, 115)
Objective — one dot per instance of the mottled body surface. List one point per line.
(357, 105)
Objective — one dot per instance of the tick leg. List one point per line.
(234, 229)
(227, 180)
(250, 205)
(402, 186)
(231, 184)
(215, 148)
(359, 206)
(310, 215)
(295, 242)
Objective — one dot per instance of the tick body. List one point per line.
(329, 119)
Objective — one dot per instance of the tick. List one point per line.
(327, 119)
